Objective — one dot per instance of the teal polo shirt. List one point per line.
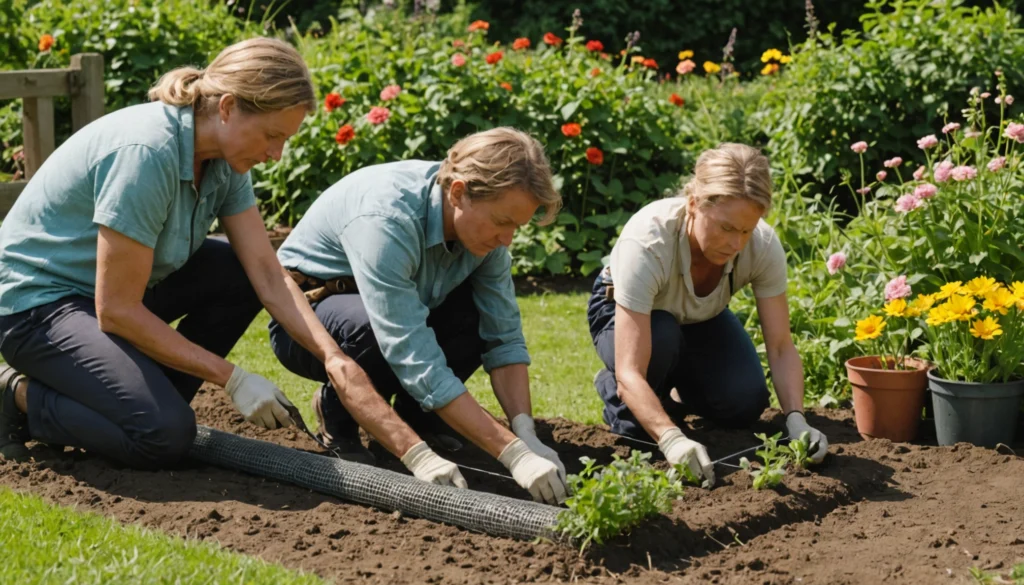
(384, 225)
(131, 171)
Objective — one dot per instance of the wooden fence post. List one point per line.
(86, 89)
(37, 129)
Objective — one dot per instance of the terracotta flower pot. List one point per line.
(887, 403)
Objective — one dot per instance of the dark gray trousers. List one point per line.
(96, 391)
(713, 366)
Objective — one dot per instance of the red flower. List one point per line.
(378, 115)
(479, 25)
(506, 85)
(675, 100)
(45, 42)
(595, 72)
(345, 134)
(571, 130)
(458, 43)
(552, 39)
(494, 57)
(594, 155)
(521, 43)
(595, 46)
(650, 63)
(332, 101)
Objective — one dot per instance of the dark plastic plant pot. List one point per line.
(887, 403)
(980, 414)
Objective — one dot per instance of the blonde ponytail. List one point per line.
(179, 87)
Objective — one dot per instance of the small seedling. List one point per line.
(774, 458)
(608, 500)
(800, 450)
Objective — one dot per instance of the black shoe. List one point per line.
(13, 422)
(341, 442)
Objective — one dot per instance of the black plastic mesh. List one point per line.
(489, 513)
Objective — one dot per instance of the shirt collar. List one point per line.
(435, 210)
(216, 170)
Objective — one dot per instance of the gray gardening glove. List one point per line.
(534, 473)
(797, 425)
(682, 451)
(431, 467)
(258, 399)
(522, 426)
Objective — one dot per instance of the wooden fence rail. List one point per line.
(82, 81)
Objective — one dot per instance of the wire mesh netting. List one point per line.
(363, 484)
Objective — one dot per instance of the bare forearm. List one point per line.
(289, 307)
(641, 400)
(158, 340)
(375, 415)
(511, 385)
(788, 376)
(469, 419)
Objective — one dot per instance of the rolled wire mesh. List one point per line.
(488, 513)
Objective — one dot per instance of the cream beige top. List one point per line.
(650, 265)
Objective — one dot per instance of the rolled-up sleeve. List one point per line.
(501, 326)
(383, 253)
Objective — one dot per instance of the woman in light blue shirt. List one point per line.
(107, 245)
(407, 266)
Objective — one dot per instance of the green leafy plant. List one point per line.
(608, 500)
(1014, 577)
(775, 458)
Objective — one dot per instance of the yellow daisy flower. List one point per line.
(981, 286)
(999, 301)
(896, 308)
(948, 289)
(869, 328)
(986, 329)
(710, 67)
(684, 55)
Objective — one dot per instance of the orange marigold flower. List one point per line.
(595, 72)
(552, 39)
(571, 129)
(479, 25)
(506, 85)
(45, 42)
(595, 46)
(345, 134)
(332, 101)
(650, 63)
(676, 100)
(594, 155)
(520, 44)
(494, 57)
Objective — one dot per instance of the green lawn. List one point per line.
(49, 544)
(561, 377)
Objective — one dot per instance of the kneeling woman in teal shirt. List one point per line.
(107, 245)
(407, 265)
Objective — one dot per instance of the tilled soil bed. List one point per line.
(873, 512)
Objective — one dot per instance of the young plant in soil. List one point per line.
(775, 458)
(608, 500)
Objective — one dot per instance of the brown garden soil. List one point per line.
(872, 512)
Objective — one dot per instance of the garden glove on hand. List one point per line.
(522, 426)
(682, 451)
(258, 399)
(534, 473)
(797, 425)
(432, 468)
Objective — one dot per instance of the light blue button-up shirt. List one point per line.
(132, 171)
(384, 226)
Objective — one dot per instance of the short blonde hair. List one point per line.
(730, 170)
(264, 75)
(496, 160)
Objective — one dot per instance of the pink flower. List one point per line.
(458, 60)
(1009, 100)
(390, 92)
(986, 95)
(685, 66)
(864, 191)
(835, 262)
(950, 127)
(919, 173)
(906, 204)
(925, 191)
(927, 142)
(942, 171)
(893, 162)
(378, 115)
(1014, 131)
(996, 164)
(964, 173)
(859, 147)
(880, 175)
(972, 133)
(897, 288)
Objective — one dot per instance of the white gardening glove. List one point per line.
(534, 473)
(797, 425)
(522, 426)
(682, 451)
(431, 467)
(258, 399)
